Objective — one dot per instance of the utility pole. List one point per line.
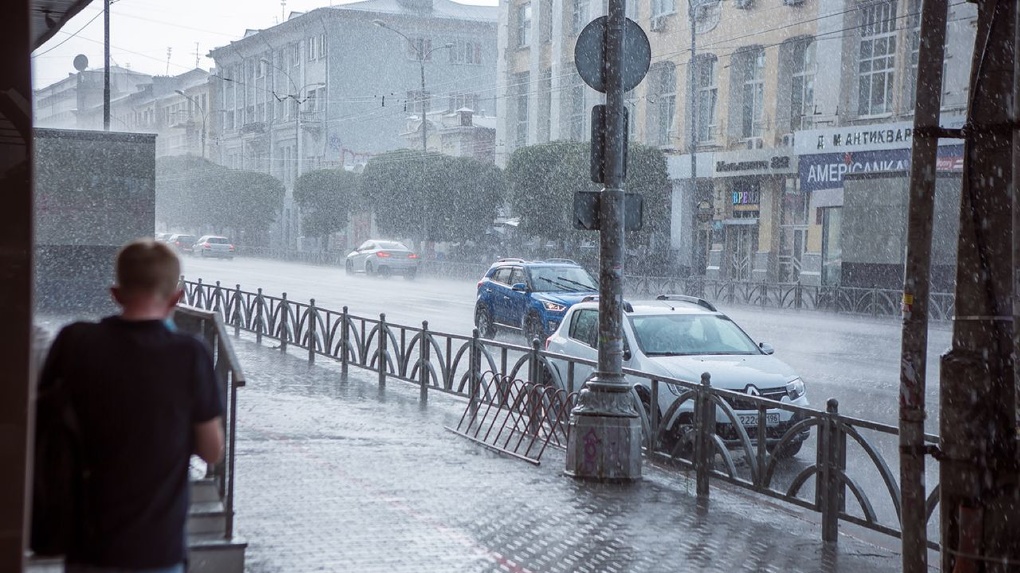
(605, 430)
(917, 286)
(980, 497)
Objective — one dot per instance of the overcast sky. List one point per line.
(142, 30)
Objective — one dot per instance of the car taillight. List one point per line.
(382, 254)
(231, 247)
(412, 256)
(206, 246)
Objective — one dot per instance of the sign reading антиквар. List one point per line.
(873, 137)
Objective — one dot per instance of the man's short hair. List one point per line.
(145, 267)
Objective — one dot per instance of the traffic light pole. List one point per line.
(605, 432)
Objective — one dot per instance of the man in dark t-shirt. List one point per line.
(146, 399)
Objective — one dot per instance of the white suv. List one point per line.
(681, 337)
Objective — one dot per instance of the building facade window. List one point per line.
(663, 103)
(524, 24)
(663, 8)
(578, 111)
(419, 47)
(913, 54)
(545, 21)
(416, 102)
(466, 52)
(579, 16)
(707, 97)
(544, 107)
(748, 98)
(802, 84)
(316, 47)
(876, 58)
(522, 82)
(463, 100)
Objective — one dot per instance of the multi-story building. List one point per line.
(333, 86)
(172, 107)
(460, 133)
(766, 76)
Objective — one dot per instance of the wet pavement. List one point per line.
(340, 475)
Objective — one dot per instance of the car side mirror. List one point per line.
(766, 348)
(519, 287)
(627, 355)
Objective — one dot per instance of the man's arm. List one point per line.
(209, 440)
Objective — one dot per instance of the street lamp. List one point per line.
(201, 109)
(422, 54)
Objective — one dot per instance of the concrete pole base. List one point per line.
(604, 448)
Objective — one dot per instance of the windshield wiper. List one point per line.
(580, 284)
(559, 285)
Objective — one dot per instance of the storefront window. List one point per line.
(832, 252)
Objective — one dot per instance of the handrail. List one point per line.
(454, 363)
(209, 325)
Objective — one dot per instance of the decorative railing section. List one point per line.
(519, 399)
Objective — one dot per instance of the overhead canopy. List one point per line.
(48, 16)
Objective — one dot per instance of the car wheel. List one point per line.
(533, 329)
(349, 267)
(369, 270)
(483, 320)
(409, 275)
(788, 450)
(679, 440)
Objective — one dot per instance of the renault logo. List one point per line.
(752, 390)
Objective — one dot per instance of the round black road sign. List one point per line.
(590, 51)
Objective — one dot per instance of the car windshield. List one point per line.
(392, 245)
(690, 334)
(560, 279)
(217, 240)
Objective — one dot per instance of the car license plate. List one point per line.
(752, 419)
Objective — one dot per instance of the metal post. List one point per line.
(705, 423)
(106, 65)
(238, 300)
(382, 350)
(1016, 226)
(313, 323)
(345, 338)
(916, 287)
(830, 480)
(285, 324)
(424, 105)
(605, 437)
(260, 321)
(423, 363)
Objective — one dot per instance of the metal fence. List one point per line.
(877, 302)
(685, 433)
(208, 325)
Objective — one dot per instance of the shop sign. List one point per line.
(746, 197)
(863, 137)
(753, 163)
(827, 170)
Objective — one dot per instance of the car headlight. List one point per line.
(795, 388)
(552, 306)
(675, 389)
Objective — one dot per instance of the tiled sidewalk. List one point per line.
(337, 475)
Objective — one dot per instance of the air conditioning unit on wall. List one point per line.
(793, 2)
(658, 23)
(754, 142)
(787, 140)
(743, 4)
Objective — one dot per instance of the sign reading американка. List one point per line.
(827, 170)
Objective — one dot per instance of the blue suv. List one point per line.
(530, 296)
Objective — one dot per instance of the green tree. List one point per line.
(326, 198)
(438, 197)
(541, 181)
(197, 195)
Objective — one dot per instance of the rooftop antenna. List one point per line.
(283, 10)
(196, 55)
(168, 51)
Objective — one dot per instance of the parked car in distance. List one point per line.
(161, 237)
(214, 246)
(382, 258)
(529, 296)
(681, 337)
(182, 243)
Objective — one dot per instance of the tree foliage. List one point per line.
(542, 179)
(438, 197)
(326, 198)
(197, 195)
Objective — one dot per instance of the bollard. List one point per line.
(313, 324)
(344, 341)
(382, 350)
(473, 376)
(238, 299)
(284, 323)
(829, 485)
(535, 392)
(423, 363)
(797, 295)
(762, 441)
(217, 295)
(653, 417)
(259, 320)
(705, 420)
(198, 294)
